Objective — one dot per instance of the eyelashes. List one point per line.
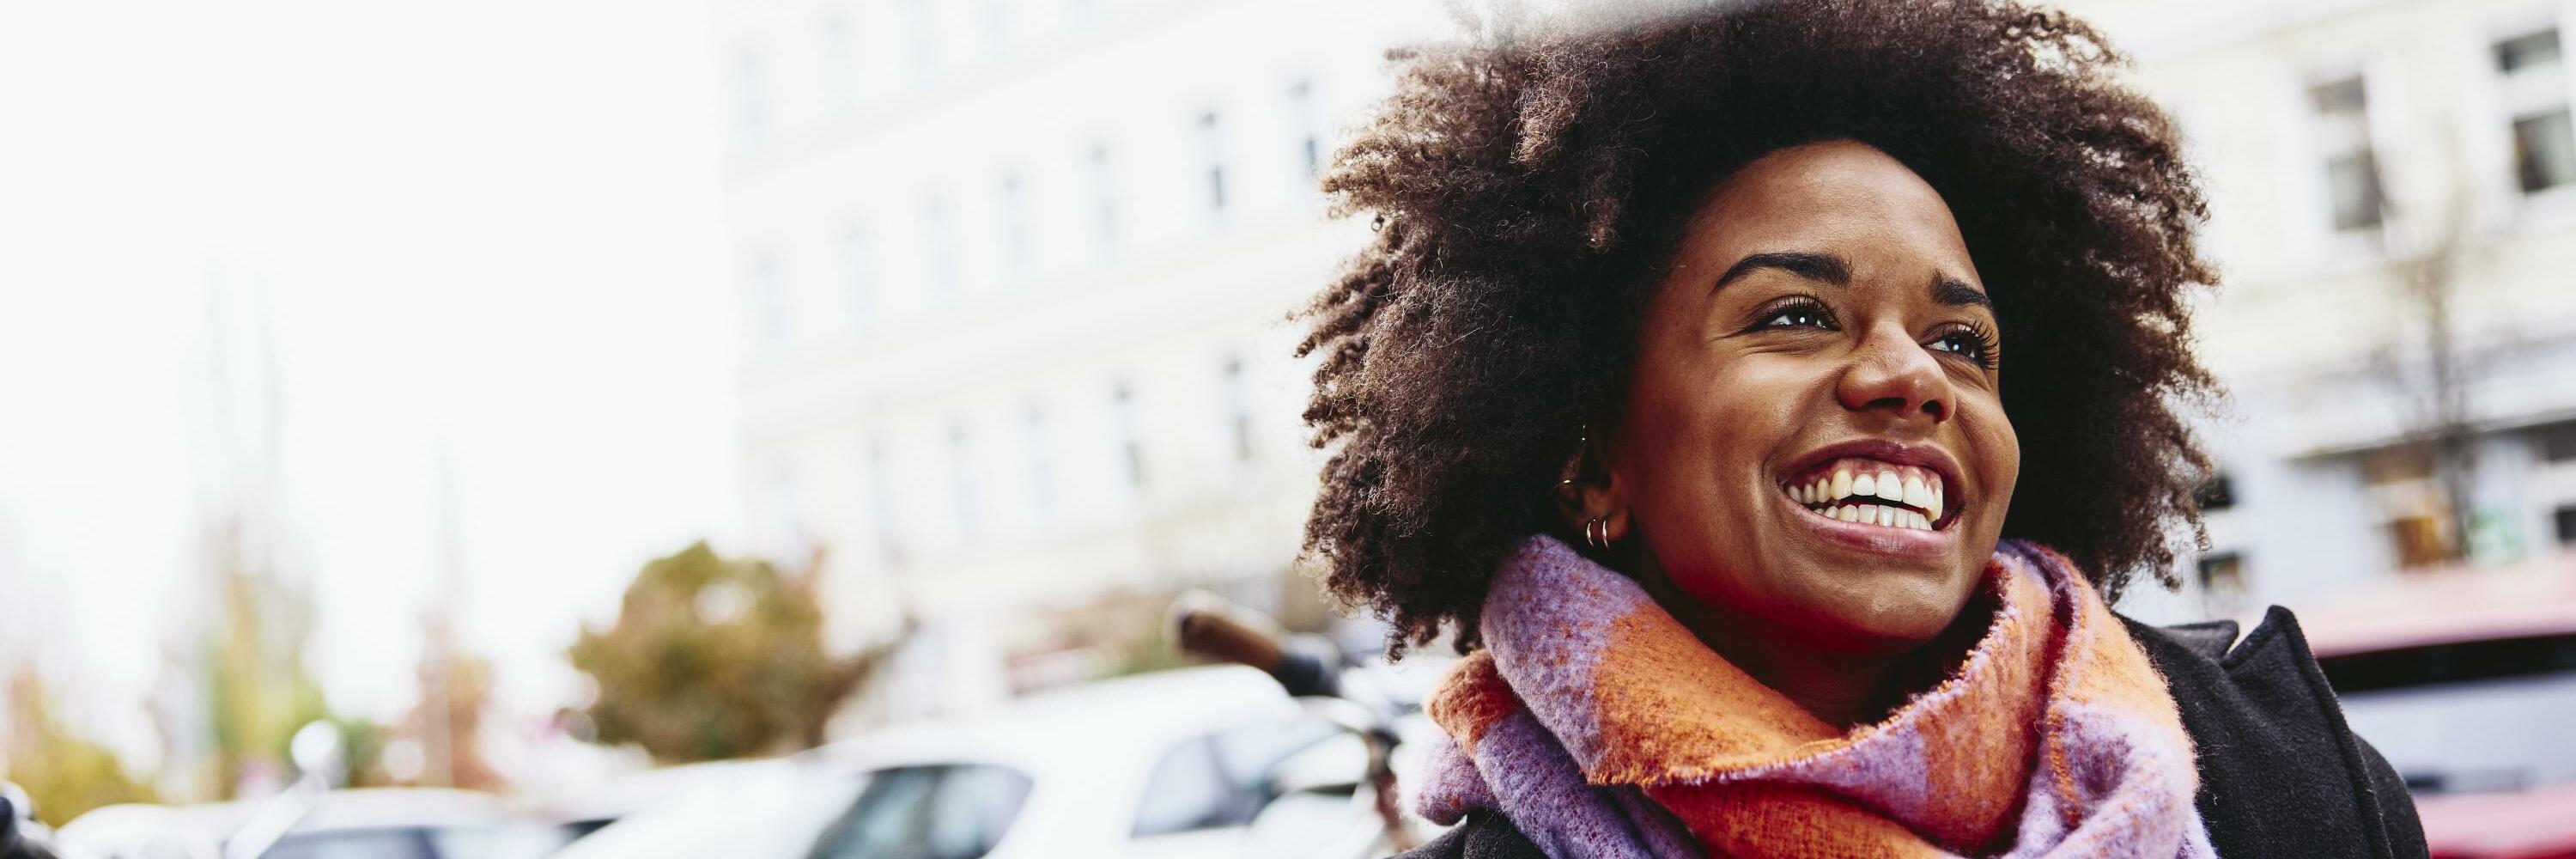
(1971, 341)
(1796, 312)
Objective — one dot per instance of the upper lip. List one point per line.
(1899, 453)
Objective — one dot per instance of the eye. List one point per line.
(1971, 343)
(1804, 313)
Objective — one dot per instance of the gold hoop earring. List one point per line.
(1597, 533)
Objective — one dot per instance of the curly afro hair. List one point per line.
(1529, 182)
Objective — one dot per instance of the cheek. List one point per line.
(1705, 434)
(1997, 452)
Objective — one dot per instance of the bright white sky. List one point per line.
(490, 228)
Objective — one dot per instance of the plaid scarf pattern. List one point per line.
(1601, 727)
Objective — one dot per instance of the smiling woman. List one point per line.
(1674, 386)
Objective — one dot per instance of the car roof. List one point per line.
(402, 807)
(364, 808)
(2447, 606)
(1120, 722)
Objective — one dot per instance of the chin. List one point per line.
(1884, 610)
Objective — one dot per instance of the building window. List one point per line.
(997, 28)
(2557, 442)
(1104, 200)
(2535, 93)
(1041, 468)
(1015, 224)
(2405, 463)
(1122, 416)
(1212, 148)
(750, 108)
(2565, 519)
(840, 63)
(1238, 407)
(2421, 541)
(769, 302)
(961, 480)
(2222, 574)
(880, 489)
(941, 246)
(1301, 112)
(2353, 191)
(924, 41)
(2219, 493)
(787, 522)
(858, 278)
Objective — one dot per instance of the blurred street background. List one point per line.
(587, 404)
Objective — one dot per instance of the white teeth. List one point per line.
(1876, 514)
(1915, 496)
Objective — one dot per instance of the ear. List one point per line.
(1587, 488)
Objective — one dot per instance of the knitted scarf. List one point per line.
(1601, 727)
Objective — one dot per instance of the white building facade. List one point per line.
(1018, 278)
(2391, 180)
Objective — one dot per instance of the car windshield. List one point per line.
(2467, 716)
(955, 811)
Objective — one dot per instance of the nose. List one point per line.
(1891, 373)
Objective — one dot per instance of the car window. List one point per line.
(2468, 716)
(887, 820)
(972, 808)
(1222, 779)
(401, 843)
(1187, 791)
(927, 812)
(527, 840)
(2456, 662)
(1248, 754)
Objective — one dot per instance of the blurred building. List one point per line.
(1017, 278)
(2393, 190)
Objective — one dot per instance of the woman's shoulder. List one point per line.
(2279, 769)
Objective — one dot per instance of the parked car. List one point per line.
(1196, 762)
(2466, 680)
(381, 823)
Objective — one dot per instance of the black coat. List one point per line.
(2280, 774)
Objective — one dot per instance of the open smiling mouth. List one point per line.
(1872, 492)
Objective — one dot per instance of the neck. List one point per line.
(1842, 683)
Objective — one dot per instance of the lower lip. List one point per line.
(1875, 539)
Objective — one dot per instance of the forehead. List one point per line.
(1837, 195)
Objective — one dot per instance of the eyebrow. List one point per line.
(1957, 293)
(1827, 268)
(1812, 266)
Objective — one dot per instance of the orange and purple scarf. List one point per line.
(1601, 727)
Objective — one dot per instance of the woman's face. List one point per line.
(1813, 441)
